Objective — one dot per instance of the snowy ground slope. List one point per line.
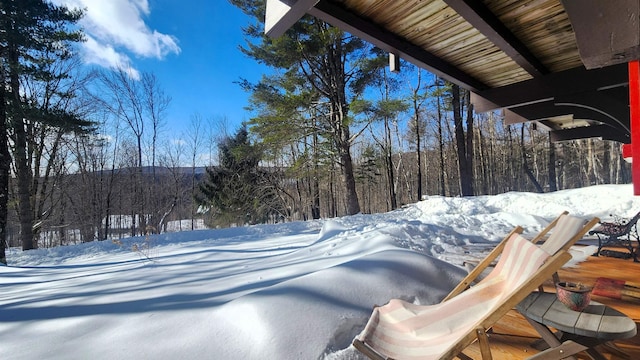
(292, 291)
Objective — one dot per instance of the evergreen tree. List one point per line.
(313, 56)
(35, 33)
(238, 190)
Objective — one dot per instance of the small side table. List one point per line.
(580, 331)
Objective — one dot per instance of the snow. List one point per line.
(299, 290)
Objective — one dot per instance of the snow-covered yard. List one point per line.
(291, 291)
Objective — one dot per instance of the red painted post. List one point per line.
(634, 103)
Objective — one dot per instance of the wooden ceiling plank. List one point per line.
(481, 18)
(391, 43)
(488, 47)
(543, 26)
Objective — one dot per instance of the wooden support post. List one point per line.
(394, 63)
(634, 104)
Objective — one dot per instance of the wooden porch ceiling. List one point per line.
(561, 63)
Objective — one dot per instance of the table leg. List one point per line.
(615, 350)
(550, 339)
(595, 355)
(558, 349)
(590, 346)
(563, 351)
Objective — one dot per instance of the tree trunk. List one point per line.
(525, 164)
(333, 211)
(419, 162)
(606, 162)
(343, 138)
(553, 184)
(5, 165)
(343, 145)
(23, 171)
(511, 174)
(41, 187)
(441, 148)
(393, 199)
(468, 184)
(416, 113)
(315, 187)
(466, 179)
(352, 203)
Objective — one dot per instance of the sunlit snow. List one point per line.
(298, 290)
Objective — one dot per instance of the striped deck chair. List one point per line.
(565, 231)
(401, 330)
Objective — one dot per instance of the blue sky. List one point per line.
(191, 46)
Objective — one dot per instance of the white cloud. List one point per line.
(106, 56)
(115, 28)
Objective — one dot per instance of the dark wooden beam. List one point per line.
(607, 31)
(612, 111)
(550, 86)
(598, 131)
(481, 18)
(613, 117)
(338, 16)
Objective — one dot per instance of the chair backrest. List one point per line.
(522, 267)
(519, 262)
(565, 233)
(520, 258)
(633, 220)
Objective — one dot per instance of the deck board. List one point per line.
(513, 337)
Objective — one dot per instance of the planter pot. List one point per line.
(575, 296)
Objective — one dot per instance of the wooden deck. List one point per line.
(512, 337)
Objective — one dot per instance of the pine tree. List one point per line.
(35, 34)
(314, 56)
(238, 192)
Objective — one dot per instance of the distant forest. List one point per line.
(506, 158)
(333, 132)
